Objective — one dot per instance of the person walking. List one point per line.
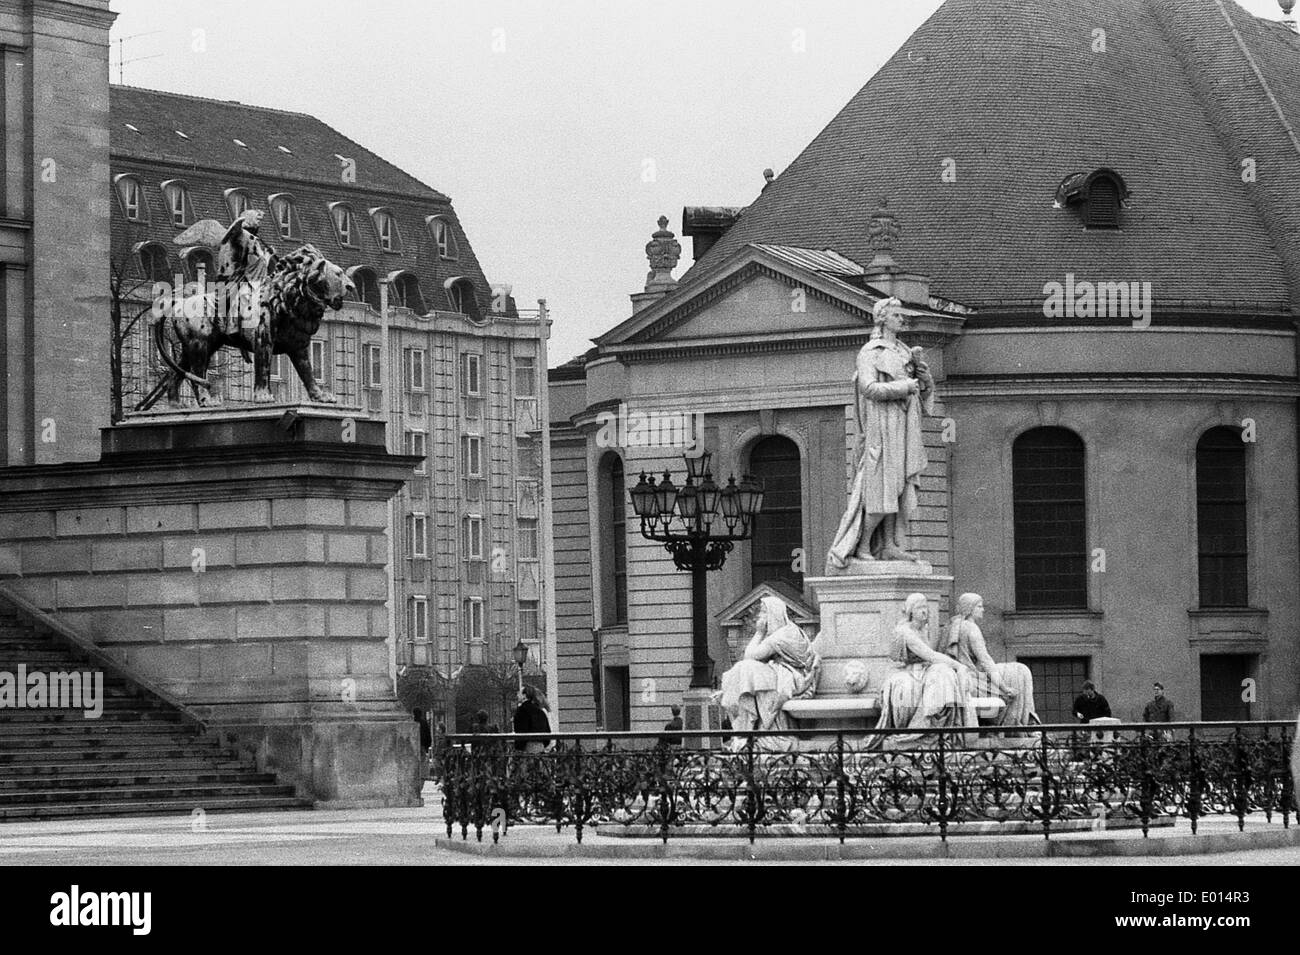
(426, 742)
(530, 717)
(1090, 705)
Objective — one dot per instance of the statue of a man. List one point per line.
(892, 389)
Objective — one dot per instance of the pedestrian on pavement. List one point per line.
(1090, 705)
(426, 741)
(530, 717)
(673, 724)
(1159, 710)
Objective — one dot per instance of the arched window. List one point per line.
(406, 292)
(238, 201)
(131, 195)
(367, 286)
(154, 265)
(286, 216)
(179, 208)
(1051, 537)
(778, 532)
(461, 296)
(390, 240)
(612, 515)
(345, 226)
(1221, 518)
(199, 264)
(444, 237)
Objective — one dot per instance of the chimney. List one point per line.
(706, 224)
(883, 273)
(663, 251)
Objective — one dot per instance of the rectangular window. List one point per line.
(371, 361)
(472, 454)
(1049, 519)
(417, 444)
(1057, 681)
(419, 544)
(1221, 518)
(526, 377)
(529, 631)
(415, 369)
(528, 540)
(343, 222)
(471, 376)
(474, 620)
(417, 619)
(277, 367)
(473, 542)
(131, 199)
(319, 359)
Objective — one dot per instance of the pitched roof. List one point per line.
(276, 143)
(1012, 92)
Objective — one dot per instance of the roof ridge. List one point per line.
(211, 99)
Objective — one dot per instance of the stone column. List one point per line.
(236, 560)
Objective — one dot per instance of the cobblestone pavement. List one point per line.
(407, 837)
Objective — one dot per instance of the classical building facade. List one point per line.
(1089, 215)
(458, 384)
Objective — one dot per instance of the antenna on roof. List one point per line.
(121, 62)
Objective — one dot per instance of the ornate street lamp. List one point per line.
(682, 519)
(520, 654)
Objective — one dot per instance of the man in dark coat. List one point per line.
(530, 717)
(1090, 705)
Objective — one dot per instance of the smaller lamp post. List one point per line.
(520, 653)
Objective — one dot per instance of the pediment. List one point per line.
(758, 292)
(743, 612)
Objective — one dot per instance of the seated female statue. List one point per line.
(924, 691)
(779, 665)
(982, 676)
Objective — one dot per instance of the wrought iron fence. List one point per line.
(1040, 778)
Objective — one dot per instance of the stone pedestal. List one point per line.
(698, 713)
(236, 560)
(858, 617)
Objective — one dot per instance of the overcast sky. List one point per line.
(544, 119)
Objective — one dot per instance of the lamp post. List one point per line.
(520, 654)
(698, 523)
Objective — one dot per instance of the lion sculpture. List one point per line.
(262, 303)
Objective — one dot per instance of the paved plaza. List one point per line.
(411, 837)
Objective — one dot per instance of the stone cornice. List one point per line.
(1119, 386)
(61, 10)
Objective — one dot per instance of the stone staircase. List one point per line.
(142, 756)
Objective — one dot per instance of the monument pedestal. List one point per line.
(858, 617)
(236, 560)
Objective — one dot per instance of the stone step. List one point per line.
(194, 793)
(122, 780)
(32, 813)
(94, 729)
(118, 741)
(52, 765)
(110, 750)
(114, 709)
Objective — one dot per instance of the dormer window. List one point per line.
(199, 264)
(460, 294)
(154, 265)
(1099, 195)
(443, 237)
(345, 227)
(365, 285)
(406, 291)
(178, 202)
(131, 196)
(390, 240)
(238, 201)
(286, 217)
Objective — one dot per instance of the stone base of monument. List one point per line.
(858, 615)
(236, 561)
(699, 712)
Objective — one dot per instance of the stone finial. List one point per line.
(883, 231)
(663, 250)
(769, 177)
